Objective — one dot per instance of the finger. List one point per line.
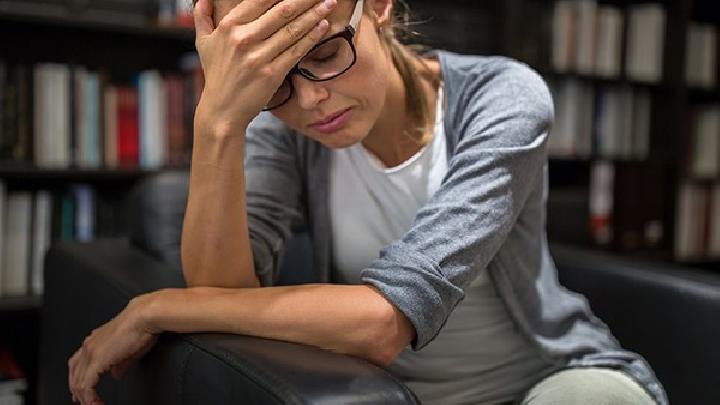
(285, 14)
(250, 10)
(202, 14)
(305, 31)
(292, 55)
(89, 381)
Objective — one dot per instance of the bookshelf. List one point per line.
(644, 197)
(94, 46)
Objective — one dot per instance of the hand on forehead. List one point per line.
(336, 17)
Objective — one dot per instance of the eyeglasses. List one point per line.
(327, 60)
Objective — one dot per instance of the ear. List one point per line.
(381, 10)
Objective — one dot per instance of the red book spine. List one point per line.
(128, 130)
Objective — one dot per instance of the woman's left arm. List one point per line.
(355, 320)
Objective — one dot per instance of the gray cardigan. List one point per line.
(488, 215)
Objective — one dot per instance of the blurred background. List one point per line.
(95, 95)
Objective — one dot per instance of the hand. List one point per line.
(113, 347)
(247, 56)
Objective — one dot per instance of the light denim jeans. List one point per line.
(587, 386)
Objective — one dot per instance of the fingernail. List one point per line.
(329, 4)
(322, 26)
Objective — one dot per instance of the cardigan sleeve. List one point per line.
(272, 187)
(504, 114)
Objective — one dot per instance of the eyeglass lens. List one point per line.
(326, 61)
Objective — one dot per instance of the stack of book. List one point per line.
(588, 39)
(605, 121)
(61, 116)
(31, 220)
(697, 216)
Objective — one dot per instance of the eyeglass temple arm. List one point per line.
(357, 14)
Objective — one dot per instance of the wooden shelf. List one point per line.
(20, 303)
(619, 81)
(11, 171)
(61, 17)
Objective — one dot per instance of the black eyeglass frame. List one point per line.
(347, 34)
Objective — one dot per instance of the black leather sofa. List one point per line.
(668, 314)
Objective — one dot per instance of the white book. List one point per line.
(153, 137)
(689, 220)
(563, 46)
(705, 159)
(714, 243)
(53, 105)
(42, 226)
(646, 42)
(16, 261)
(586, 29)
(609, 38)
(110, 130)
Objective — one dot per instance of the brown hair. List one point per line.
(404, 58)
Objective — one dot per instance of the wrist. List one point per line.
(147, 308)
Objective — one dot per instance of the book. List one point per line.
(586, 31)
(714, 223)
(52, 120)
(571, 135)
(701, 60)
(608, 46)
(690, 222)
(3, 215)
(128, 132)
(646, 42)
(16, 258)
(41, 234)
(705, 155)
(563, 36)
(84, 196)
(152, 107)
(602, 178)
(110, 127)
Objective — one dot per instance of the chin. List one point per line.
(339, 140)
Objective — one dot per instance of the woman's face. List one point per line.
(358, 95)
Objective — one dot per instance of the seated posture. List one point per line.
(422, 180)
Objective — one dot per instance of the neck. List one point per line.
(394, 140)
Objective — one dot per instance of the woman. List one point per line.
(436, 163)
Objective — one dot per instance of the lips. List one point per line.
(329, 119)
(333, 122)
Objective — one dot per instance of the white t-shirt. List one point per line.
(478, 353)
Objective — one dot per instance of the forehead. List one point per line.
(337, 19)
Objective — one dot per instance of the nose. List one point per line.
(309, 94)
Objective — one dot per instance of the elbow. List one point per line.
(392, 334)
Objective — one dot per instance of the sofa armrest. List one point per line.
(87, 284)
(666, 313)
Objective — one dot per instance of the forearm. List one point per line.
(354, 320)
(215, 244)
